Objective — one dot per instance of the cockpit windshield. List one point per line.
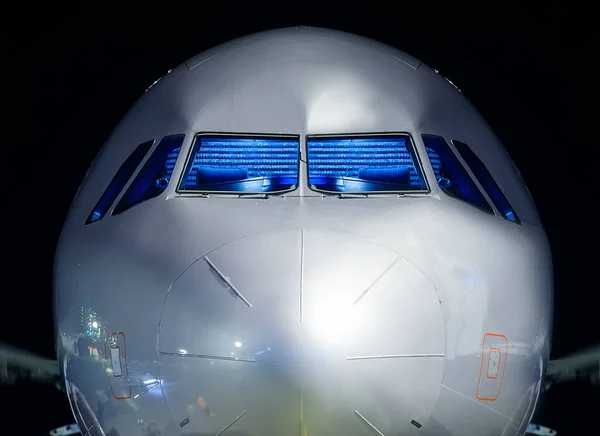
(364, 164)
(242, 164)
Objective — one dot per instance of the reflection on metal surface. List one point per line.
(376, 280)
(473, 400)
(206, 356)
(237, 418)
(366, 421)
(301, 276)
(227, 282)
(394, 356)
(313, 355)
(303, 428)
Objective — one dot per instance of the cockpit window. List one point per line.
(451, 176)
(236, 164)
(487, 181)
(364, 164)
(154, 176)
(119, 181)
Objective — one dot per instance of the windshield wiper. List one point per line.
(343, 195)
(254, 195)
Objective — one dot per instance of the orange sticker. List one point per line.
(496, 356)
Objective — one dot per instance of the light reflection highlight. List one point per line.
(335, 322)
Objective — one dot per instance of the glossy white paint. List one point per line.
(305, 313)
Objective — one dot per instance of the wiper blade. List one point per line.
(342, 195)
(254, 195)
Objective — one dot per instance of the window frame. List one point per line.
(111, 205)
(366, 135)
(498, 210)
(134, 177)
(490, 209)
(193, 150)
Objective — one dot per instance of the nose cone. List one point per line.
(301, 332)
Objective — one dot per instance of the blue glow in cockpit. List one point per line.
(363, 164)
(232, 164)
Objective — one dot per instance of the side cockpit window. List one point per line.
(451, 176)
(242, 164)
(364, 164)
(118, 182)
(154, 176)
(487, 181)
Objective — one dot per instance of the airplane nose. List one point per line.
(301, 332)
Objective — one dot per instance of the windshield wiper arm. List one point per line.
(343, 195)
(254, 195)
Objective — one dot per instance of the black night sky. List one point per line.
(70, 75)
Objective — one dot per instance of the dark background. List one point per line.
(70, 75)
